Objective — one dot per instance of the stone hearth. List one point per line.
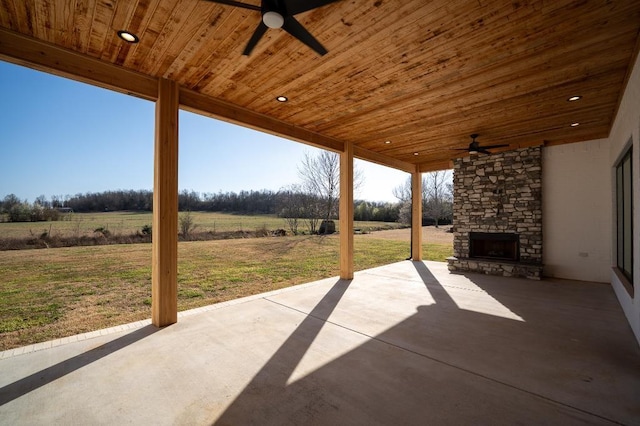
(498, 200)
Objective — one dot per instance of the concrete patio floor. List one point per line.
(407, 343)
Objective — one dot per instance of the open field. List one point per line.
(430, 234)
(125, 223)
(52, 293)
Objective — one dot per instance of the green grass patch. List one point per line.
(46, 294)
(126, 223)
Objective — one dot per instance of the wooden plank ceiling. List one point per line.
(422, 75)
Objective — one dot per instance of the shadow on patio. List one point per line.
(407, 343)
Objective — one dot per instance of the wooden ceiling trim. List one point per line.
(33, 53)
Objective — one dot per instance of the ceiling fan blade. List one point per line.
(298, 6)
(494, 146)
(293, 27)
(255, 38)
(237, 4)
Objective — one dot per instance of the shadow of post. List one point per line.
(272, 377)
(43, 377)
(439, 294)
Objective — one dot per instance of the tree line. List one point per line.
(283, 203)
(314, 200)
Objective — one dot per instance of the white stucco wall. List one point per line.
(576, 203)
(627, 126)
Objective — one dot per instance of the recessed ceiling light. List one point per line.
(575, 124)
(387, 142)
(574, 98)
(282, 98)
(415, 153)
(128, 37)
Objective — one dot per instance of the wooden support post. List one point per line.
(416, 215)
(346, 212)
(164, 287)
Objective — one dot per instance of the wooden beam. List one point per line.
(215, 108)
(346, 213)
(211, 107)
(29, 52)
(164, 294)
(384, 160)
(435, 166)
(416, 215)
(26, 51)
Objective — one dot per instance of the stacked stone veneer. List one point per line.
(499, 193)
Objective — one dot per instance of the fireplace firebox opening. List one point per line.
(494, 245)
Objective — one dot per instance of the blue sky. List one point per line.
(61, 137)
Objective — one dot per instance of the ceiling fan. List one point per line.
(279, 14)
(475, 148)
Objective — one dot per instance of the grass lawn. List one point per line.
(125, 223)
(52, 293)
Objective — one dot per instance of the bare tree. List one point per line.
(320, 177)
(292, 207)
(403, 193)
(438, 195)
(187, 224)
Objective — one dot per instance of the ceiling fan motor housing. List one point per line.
(273, 19)
(273, 13)
(279, 14)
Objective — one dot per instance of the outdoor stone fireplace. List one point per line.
(497, 214)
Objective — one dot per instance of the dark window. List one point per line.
(624, 215)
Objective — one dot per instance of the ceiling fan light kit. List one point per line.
(273, 19)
